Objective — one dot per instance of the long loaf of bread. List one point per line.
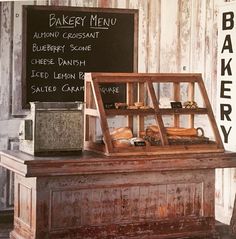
(174, 131)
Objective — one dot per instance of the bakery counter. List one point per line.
(94, 196)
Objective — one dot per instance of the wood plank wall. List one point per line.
(174, 36)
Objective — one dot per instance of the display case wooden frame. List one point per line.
(135, 84)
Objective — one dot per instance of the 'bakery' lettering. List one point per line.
(226, 73)
(65, 21)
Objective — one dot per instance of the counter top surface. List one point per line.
(92, 163)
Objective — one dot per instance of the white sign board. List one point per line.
(226, 75)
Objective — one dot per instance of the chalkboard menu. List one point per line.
(60, 44)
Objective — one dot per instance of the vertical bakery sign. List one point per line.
(226, 75)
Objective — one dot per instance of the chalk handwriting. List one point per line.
(101, 22)
(39, 74)
(42, 61)
(42, 89)
(71, 62)
(72, 89)
(39, 35)
(80, 35)
(110, 90)
(64, 76)
(48, 48)
(80, 48)
(66, 21)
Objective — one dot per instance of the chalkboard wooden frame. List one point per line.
(121, 13)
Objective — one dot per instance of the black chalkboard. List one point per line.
(60, 44)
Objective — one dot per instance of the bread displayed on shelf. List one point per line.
(190, 105)
(175, 131)
(119, 105)
(123, 137)
(121, 133)
(179, 131)
(139, 104)
(166, 121)
(176, 135)
(121, 143)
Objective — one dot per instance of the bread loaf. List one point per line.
(121, 143)
(153, 128)
(172, 131)
(121, 133)
(178, 131)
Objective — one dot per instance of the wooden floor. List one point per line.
(223, 230)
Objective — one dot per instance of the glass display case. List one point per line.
(157, 113)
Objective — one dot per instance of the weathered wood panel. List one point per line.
(17, 58)
(153, 37)
(6, 60)
(8, 127)
(134, 205)
(169, 41)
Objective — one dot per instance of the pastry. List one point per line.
(120, 105)
(139, 104)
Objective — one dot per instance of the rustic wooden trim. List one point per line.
(163, 111)
(140, 118)
(24, 60)
(105, 77)
(90, 162)
(176, 93)
(102, 116)
(210, 113)
(159, 120)
(191, 90)
(130, 101)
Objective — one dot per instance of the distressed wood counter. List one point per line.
(93, 196)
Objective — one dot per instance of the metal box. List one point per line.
(53, 128)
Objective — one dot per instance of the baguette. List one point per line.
(172, 131)
(175, 131)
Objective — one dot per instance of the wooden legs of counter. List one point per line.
(170, 204)
(25, 208)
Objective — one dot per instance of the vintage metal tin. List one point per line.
(53, 128)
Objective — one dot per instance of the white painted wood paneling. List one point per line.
(185, 35)
(153, 46)
(169, 39)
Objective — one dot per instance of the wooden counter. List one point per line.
(93, 196)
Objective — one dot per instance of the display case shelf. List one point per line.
(113, 112)
(142, 88)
